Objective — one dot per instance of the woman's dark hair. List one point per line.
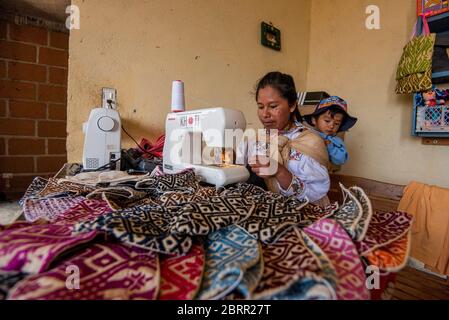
(285, 85)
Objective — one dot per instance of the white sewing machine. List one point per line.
(102, 139)
(199, 139)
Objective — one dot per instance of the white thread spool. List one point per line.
(177, 96)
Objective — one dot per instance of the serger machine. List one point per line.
(102, 139)
(203, 140)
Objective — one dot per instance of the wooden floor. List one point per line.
(412, 284)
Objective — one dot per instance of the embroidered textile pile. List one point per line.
(168, 237)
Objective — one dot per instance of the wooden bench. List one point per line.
(383, 196)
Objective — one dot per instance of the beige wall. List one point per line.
(139, 47)
(358, 64)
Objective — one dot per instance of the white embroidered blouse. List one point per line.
(310, 178)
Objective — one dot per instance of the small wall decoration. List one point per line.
(271, 36)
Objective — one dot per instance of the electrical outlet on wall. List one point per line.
(109, 94)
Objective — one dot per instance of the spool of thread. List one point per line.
(177, 96)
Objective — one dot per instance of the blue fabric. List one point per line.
(250, 280)
(230, 252)
(338, 154)
(306, 289)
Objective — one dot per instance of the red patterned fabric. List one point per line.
(31, 248)
(181, 275)
(384, 228)
(106, 272)
(84, 211)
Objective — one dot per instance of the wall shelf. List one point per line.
(435, 141)
(439, 23)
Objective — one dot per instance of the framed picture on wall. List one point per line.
(270, 36)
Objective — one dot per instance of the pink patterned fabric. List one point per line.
(48, 208)
(181, 275)
(384, 228)
(284, 263)
(106, 272)
(31, 248)
(83, 211)
(20, 224)
(340, 249)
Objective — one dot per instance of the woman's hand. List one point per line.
(266, 167)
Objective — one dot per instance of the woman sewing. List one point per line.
(301, 168)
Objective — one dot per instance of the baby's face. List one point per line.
(328, 124)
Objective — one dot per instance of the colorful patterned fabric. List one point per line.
(202, 218)
(185, 181)
(120, 192)
(273, 214)
(57, 187)
(367, 212)
(289, 264)
(249, 190)
(384, 228)
(181, 198)
(9, 280)
(328, 274)
(340, 249)
(123, 205)
(306, 289)
(313, 213)
(285, 262)
(118, 196)
(36, 186)
(181, 275)
(414, 73)
(417, 56)
(111, 178)
(86, 210)
(415, 83)
(229, 253)
(20, 224)
(392, 257)
(146, 227)
(48, 208)
(32, 248)
(250, 281)
(106, 272)
(350, 212)
(270, 221)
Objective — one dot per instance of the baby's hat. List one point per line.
(335, 102)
